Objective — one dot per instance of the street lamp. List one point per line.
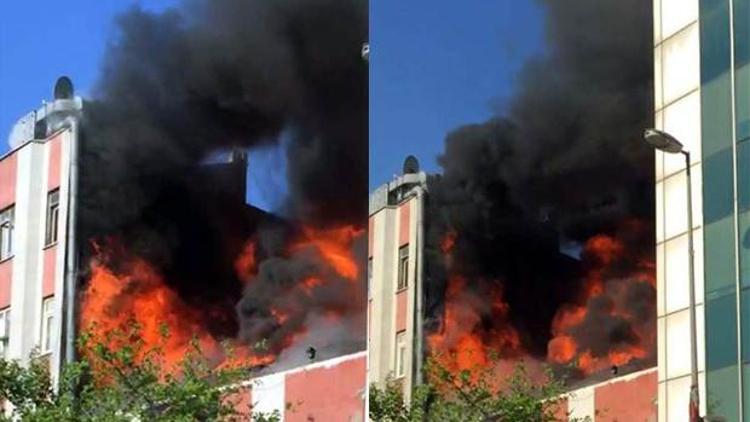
(667, 143)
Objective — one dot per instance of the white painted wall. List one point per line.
(677, 103)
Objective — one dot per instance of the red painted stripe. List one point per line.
(8, 169)
(401, 298)
(50, 269)
(6, 272)
(631, 400)
(327, 393)
(404, 219)
(55, 158)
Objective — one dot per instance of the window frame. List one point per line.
(47, 325)
(402, 281)
(7, 226)
(52, 218)
(400, 364)
(5, 340)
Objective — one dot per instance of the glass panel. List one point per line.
(680, 64)
(678, 395)
(723, 393)
(715, 46)
(721, 332)
(716, 117)
(699, 257)
(742, 98)
(746, 390)
(678, 293)
(719, 257)
(745, 325)
(675, 205)
(701, 334)
(742, 66)
(678, 344)
(743, 175)
(682, 119)
(718, 184)
(744, 223)
(676, 14)
(743, 203)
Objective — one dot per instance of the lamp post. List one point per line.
(667, 143)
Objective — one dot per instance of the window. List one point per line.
(403, 267)
(53, 215)
(6, 233)
(4, 331)
(48, 314)
(400, 354)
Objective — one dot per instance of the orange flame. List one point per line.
(604, 251)
(464, 343)
(136, 293)
(461, 344)
(335, 247)
(245, 266)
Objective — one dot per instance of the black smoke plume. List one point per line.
(209, 76)
(561, 162)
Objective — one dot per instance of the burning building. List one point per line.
(40, 309)
(536, 240)
(144, 190)
(543, 240)
(414, 312)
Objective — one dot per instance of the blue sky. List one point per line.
(43, 39)
(434, 66)
(437, 65)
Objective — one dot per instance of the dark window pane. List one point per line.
(718, 184)
(716, 115)
(746, 398)
(743, 175)
(715, 45)
(723, 393)
(741, 33)
(719, 257)
(742, 66)
(721, 332)
(745, 325)
(744, 222)
(742, 80)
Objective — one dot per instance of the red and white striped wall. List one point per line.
(333, 390)
(394, 277)
(33, 271)
(630, 398)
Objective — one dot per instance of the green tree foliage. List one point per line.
(471, 396)
(125, 383)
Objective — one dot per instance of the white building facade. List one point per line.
(395, 267)
(702, 97)
(34, 213)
